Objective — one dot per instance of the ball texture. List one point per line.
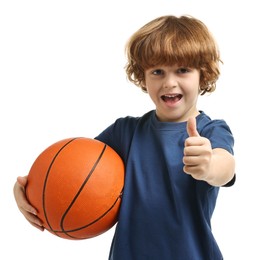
(76, 186)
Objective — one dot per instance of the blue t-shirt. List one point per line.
(165, 214)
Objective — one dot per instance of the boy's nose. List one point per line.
(170, 82)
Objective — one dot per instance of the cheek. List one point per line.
(151, 87)
(192, 92)
(147, 82)
(193, 85)
(152, 92)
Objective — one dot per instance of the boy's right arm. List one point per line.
(29, 212)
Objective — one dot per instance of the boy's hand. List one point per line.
(197, 153)
(24, 206)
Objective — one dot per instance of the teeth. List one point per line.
(171, 96)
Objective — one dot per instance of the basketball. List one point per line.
(76, 186)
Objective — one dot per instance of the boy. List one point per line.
(176, 157)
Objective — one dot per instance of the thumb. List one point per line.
(22, 180)
(191, 127)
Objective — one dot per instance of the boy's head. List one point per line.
(170, 40)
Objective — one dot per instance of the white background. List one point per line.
(62, 75)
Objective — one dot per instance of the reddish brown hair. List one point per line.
(169, 40)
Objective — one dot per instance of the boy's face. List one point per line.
(174, 90)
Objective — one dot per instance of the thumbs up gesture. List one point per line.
(197, 153)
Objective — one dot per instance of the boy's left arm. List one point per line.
(215, 166)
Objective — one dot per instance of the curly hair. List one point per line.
(169, 40)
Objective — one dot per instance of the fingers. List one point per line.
(22, 180)
(34, 221)
(20, 196)
(197, 152)
(29, 212)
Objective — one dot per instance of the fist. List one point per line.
(197, 153)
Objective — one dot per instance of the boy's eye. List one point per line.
(183, 70)
(157, 72)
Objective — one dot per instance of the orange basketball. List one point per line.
(76, 185)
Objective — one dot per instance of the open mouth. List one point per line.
(172, 98)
